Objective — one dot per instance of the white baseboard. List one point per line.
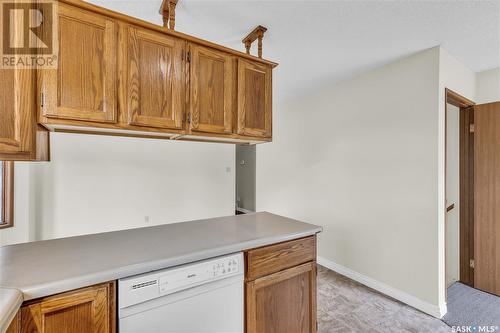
(424, 306)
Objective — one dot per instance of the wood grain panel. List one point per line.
(7, 195)
(9, 113)
(212, 78)
(274, 258)
(158, 28)
(85, 310)
(466, 196)
(18, 128)
(17, 108)
(155, 82)
(141, 101)
(487, 197)
(15, 324)
(84, 85)
(254, 99)
(283, 302)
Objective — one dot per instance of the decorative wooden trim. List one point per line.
(7, 195)
(161, 29)
(256, 34)
(167, 11)
(457, 100)
(466, 220)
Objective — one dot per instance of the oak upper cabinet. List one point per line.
(85, 310)
(213, 85)
(283, 302)
(254, 99)
(20, 137)
(154, 80)
(83, 87)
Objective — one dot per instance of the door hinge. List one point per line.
(471, 128)
(188, 118)
(42, 100)
(471, 263)
(188, 56)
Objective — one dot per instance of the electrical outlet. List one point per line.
(228, 169)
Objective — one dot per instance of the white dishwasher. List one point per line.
(206, 296)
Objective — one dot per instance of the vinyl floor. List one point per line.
(346, 306)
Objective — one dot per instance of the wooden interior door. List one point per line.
(283, 302)
(212, 86)
(155, 80)
(254, 99)
(487, 197)
(81, 311)
(83, 87)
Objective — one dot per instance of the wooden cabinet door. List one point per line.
(212, 90)
(283, 302)
(20, 137)
(254, 99)
(80, 311)
(83, 87)
(155, 80)
(17, 111)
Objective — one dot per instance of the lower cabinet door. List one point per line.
(283, 302)
(85, 310)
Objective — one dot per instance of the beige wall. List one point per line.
(98, 183)
(365, 159)
(245, 177)
(361, 159)
(488, 86)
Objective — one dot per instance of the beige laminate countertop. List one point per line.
(45, 268)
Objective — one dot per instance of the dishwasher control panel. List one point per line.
(200, 273)
(148, 286)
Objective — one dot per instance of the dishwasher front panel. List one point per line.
(202, 297)
(216, 307)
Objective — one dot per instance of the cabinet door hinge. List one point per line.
(188, 56)
(471, 263)
(188, 118)
(471, 128)
(42, 100)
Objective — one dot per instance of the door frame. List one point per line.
(466, 192)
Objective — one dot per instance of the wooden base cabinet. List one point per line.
(84, 310)
(280, 288)
(283, 302)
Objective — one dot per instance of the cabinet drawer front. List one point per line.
(270, 259)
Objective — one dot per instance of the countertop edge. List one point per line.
(61, 286)
(9, 309)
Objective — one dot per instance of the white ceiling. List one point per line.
(323, 42)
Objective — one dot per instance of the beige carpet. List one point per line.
(347, 306)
